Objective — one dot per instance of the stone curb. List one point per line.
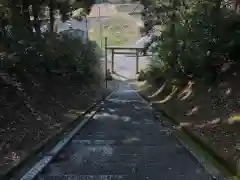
(11, 172)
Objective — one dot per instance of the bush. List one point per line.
(53, 56)
(142, 76)
(197, 43)
(109, 76)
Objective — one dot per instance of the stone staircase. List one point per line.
(124, 141)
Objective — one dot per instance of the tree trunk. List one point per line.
(173, 35)
(4, 23)
(51, 14)
(64, 9)
(26, 15)
(16, 19)
(37, 23)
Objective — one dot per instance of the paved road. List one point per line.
(124, 141)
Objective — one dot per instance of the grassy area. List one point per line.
(119, 29)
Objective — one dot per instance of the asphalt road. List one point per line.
(124, 141)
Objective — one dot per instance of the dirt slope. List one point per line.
(211, 113)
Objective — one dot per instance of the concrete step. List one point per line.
(128, 139)
(123, 120)
(136, 132)
(90, 168)
(126, 154)
(120, 170)
(172, 171)
(144, 117)
(113, 142)
(93, 126)
(142, 171)
(123, 134)
(86, 177)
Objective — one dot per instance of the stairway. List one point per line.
(124, 141)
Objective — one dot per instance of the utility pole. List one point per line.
(86, 26)
(106, 62)
(100, 25)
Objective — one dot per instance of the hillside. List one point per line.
(115, 24)
(211, 113)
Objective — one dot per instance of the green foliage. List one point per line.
(142, 76)
(197, 40)
(54, 56)
(109, 76)
(45, 55)
(26, 14)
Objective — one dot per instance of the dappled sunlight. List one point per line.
(234, 119)
(78, 158)
(187, 91)
(2, 54)
(183, 124)
(167, 98)
(112, 110)
(228, 91)
(208, 114)
(126, 118)
(136, 122)
(208, 124)
(223, 85)
(209, 104)
(226, 66)
(76, 111)
(194, 110)
(108, 116)
(104, 115)
(145, 85)
(158, 91)
(137, 107)
(129, 91)
(234, 74)
(12, 158)
(131, 140)
(73, 114)
(123, 101)
(141, 86)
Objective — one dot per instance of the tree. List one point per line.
(198, 36)
(22, 10)
(36, 15)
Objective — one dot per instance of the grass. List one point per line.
(119, 29)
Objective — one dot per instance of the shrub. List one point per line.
(197, 42)
(54, 56)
